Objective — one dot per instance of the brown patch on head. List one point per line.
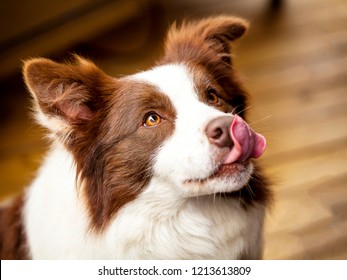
(205, 39)
(124, 149)
(205, 46)
(100, 121)
(226, 95)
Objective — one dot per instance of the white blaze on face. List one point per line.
(187, 158)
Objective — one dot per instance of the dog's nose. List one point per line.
(217, 132)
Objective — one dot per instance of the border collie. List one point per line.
(155, 165)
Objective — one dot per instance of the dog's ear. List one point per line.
(67, 96)
(207, 39)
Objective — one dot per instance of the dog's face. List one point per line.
(170, 129)
(196, 159)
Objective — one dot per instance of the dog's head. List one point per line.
(177, 128)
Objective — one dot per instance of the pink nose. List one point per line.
(217, 132)
(234, 133)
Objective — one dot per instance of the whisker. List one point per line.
(249, 189)
(260, 120)
(238, 106)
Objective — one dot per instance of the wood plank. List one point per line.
(295, 110)
(70, 33)
(313, 96)
(330, 190)
(281, 246)
(286, 52)
(271, 83)
(309, 169)
(302, 136)
(323, 241)
(292, 214)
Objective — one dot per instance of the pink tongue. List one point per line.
(247, 143)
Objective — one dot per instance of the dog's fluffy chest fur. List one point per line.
(156, 165)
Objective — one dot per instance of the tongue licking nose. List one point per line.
(234, 133)
(246, 143)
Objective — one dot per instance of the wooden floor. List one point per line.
(294, 60)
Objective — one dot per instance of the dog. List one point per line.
(155, 165)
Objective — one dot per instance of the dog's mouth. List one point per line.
(224, 171)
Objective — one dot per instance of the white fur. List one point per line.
(170, 219)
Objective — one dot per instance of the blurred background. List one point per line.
(294, 62)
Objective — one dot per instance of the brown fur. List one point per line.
(206, 46)
(124, 148)
(12, 237)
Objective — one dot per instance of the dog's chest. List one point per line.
(201, 228)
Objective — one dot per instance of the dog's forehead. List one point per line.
(173, 80)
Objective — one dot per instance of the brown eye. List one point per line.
(212, 97)
(152, 119)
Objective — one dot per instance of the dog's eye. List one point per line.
(152, 119)
(212, 97)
